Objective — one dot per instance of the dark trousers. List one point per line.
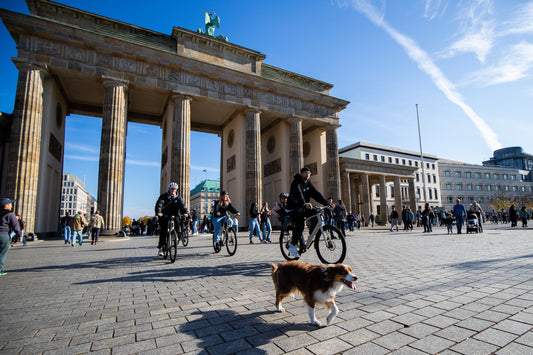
(95, 233)
(298, 218)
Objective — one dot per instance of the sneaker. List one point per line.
(95, 243)
(160, 253)
(293, 251)
(2, 272)
(251, 242)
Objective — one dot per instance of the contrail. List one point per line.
(426, 64)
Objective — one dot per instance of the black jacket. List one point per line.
(170, 205)
(222, 209)
(301, 192)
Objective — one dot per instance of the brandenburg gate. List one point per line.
(271, 121)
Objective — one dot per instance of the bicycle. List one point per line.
(228, 237)
(329, 242)
(173, 237)
(184, 231)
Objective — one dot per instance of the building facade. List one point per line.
(512, 157)
(376, 177)
(74, 197)
(482, 183)
(202, 196)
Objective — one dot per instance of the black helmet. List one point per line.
(284, 194)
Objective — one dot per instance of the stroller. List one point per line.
(472, 223)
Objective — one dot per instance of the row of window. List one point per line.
(70, 191)
(471, 187)
(390, 160)
(68, 198)
(428, 179)
(432, 193)
(469, 175)
(469, 199)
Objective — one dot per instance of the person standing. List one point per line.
(254, 222)
(513, 216)
(302, 190)
(8, 223)
(394, 219)
(194, 218)
(404, 219)
(76, 225)
(459, 212)
(266, 226)
(410, 218)
(372, 219)
(426, 222)
(65, 228)
(21, 226)
(339, 213)
(524, 216)
(96, 225)
(167, 205)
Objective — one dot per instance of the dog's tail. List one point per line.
(274, 268)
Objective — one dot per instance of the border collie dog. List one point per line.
(318, 284)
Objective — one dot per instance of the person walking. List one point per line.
(8, 224)
(404, 218)
(340, 216)
(65, 228)
(194, 218)
(394, 219)
(459, 212)
(76, 225)
(95, 226)
(254, 222)
(266, 226)
(426, 222)
(524, 216)
(513, 216)
(410, 218)
(372, 219)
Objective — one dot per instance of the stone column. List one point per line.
(180, 159)
(412, 195)
(113, 153)
(22, 178)
(365, 187)
(398, 194)
(347, 191)
(296, 157)
(254, 181)
(384, 209)
(332, 159)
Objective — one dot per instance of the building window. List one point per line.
(433, 166)
(377, 190)
(478, 187)
(436, 195)
(448, 186)
(434, 179)
(477, 175)
(458, 187)
(427, 165)
(458, 174)
(468, 175)
(375, 157)
(417, 177)
(410, 163)
(390, 160)
(382, 158)
(416, 164)
(397, 161)
(367, 156)
(505, 176)
(447, 173)
(429, 178)
(487, 176)
(392, 191)
(495, 176)
(403, 161)
(430, 194)
(469, 187)
(513, 177)
(450, 199)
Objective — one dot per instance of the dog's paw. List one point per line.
(281, 309)
(316, 323)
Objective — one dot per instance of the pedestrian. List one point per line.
(254, 222)
(372, 218)
(394, 219)
(410, 218)
(513, 216)
(425, 219)
(96, 225)
(358, 220)
(524, 216)
(76, 225)
(8, 224)
(21, 226)
(449, 223)
(404, 218)
(266, 226)
(280, 211)
(459, 212)
(194, 218)
(340, 216)
(65, 228)
(351, 221)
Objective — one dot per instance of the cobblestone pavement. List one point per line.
(416, 293)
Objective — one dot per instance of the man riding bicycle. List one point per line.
(220, 207)
(302, 189)
(168, 204)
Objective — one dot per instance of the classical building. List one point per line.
(271, 121)
(483, 184)
(512, 157)
(74, 197)
(374, 178)
(202, 197)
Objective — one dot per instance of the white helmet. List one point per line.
(173, 185)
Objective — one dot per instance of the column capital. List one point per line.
(24, 65)
(176, 95)
(293, 118)
(251, 109)
(110, 81)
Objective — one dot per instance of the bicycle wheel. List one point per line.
(285, 238)
(231, 241)
(167, 247)
(185, 236)
(330, 246)
(173, 247)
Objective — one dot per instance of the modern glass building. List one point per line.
(512, 157)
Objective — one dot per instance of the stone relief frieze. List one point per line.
(152, 70)
(47, 47)
(174, 75)
(104, 60)
(76, 54)
(127, 64)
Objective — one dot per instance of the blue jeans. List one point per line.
(67, 234)
(76, 233)
(194, 227)
(459, 222)
(254, 226)
(267, 230)
(4, 248)
(217, 226)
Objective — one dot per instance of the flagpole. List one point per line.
(421, 154)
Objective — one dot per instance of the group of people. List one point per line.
(72, 228)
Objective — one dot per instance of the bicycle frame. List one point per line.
(314, 232)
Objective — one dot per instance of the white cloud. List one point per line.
(82, 148)
(434, 8)
(143, 163)
(426, 64)
(521, 23)
(81, 157)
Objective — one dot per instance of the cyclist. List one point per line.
(302, 190)
(168, 204)
(220, 207)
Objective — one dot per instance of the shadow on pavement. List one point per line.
(490, 263)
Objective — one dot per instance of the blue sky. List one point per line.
(467, 64)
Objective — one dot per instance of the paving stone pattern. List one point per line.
(416, 294)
